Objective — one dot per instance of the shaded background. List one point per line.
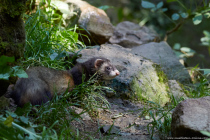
(188, 35)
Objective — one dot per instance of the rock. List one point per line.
(162, 54)
(84, 116)
(190, 117)
(176, 90)
(128, 35)
(95, 21)
(110, 129)
(139, 77)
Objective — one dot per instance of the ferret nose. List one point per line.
(117, 73)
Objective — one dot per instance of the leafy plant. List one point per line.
(200, 89)
(19, 127)
(7, 71)
(195, 11)
(161, 117)
(183, 52)
(206, 40)
(86, 96)
(105, 7)
(206, 134)
(195, 14)
(152, 6)
(48, 42)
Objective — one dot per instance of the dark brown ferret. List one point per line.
(43, 82)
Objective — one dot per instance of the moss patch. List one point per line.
(13, 7)
(162, 76)
(151, 84)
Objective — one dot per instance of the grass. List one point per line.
(162, 116)
(47, 44)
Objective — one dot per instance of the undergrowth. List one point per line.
(162, 116)
(48, 44)
(47, 41)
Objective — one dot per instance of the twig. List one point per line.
(173, 30)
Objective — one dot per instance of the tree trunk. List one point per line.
(12, 32)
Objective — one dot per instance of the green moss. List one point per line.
(148, 86)
(12, 7)
(162, 76)
(138, 91)
(3, 44)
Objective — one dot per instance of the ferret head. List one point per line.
(105, 69)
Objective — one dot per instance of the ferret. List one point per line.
(43, 82)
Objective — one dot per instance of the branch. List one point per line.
(173, 30)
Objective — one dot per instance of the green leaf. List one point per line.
(5, 76)
(8, 121)
(24, 120)
(207, 15)
(206, 33)
(24, 110)
(19, 72)
(177, 53)
(5, 72)
(175, 16)
(159, 5)
(146, 4)
(185, 49)
(182, 55)
(177, 46)
(62, 6)
(190, 54)
(205, 39)
(164, 9)
(105, 7)
(4, 59)
(197, 19)
(206, 71)
(184, 15)
(53, 56)
(153, 9)
(62, 55)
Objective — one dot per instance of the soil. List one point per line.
(122, 121)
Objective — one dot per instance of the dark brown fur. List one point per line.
(43, 82)
(41, 85)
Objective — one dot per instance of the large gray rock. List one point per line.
(162, 54)
(94, 20)
(190, 117)
(138, 77)
(128, 35)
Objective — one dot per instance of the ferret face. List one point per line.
(106, 70)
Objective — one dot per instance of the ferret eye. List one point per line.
(108, 68)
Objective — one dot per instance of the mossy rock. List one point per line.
(151, 84)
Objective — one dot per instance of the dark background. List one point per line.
(188, 35)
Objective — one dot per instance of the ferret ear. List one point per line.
(98, 63)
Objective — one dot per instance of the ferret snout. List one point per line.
(117, 72)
